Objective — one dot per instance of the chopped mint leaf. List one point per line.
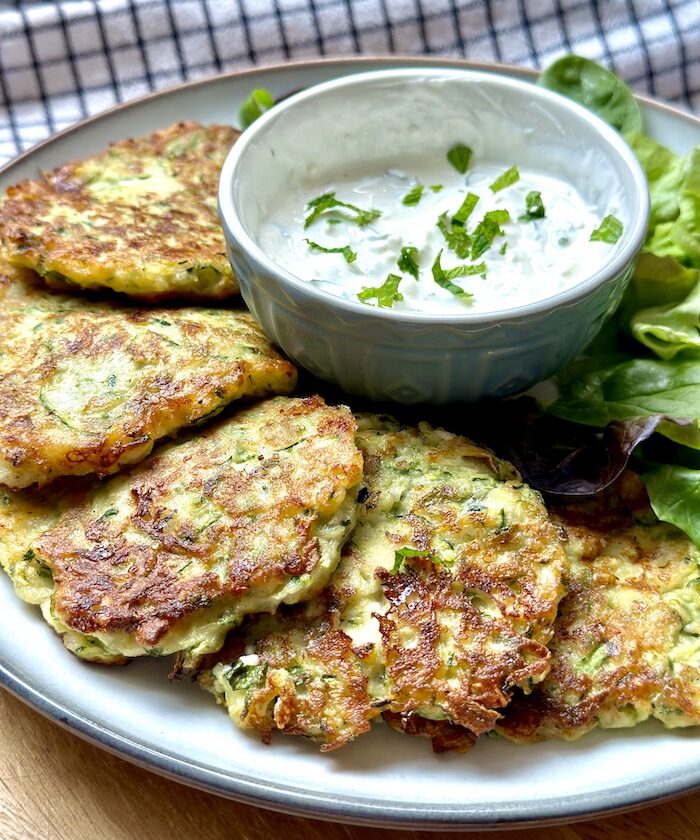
(487, 230)
(503, 248)
(386, 294)
(465, 271)
(441, 278)
(345, 250)
(507, 179)
(456, 237)
(459, 156)
(610, 230)
(408, 261)
(436, 187)
(259, 101)
(534, 209)
(413, 196)
(323, 203)
(402, 554)
(465, 211)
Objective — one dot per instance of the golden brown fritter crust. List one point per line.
(87, 386)
(423, 599)
(442, 602)
(168, 557)
(445, 737)
(311, 676)
(24, 516)
(139, 218)
(625, 646)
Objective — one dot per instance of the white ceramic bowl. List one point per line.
(411, 357)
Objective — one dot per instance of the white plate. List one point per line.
(383, 778)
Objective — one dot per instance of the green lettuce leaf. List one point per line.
(658, 281)
(259, 101)
(671, 329)
(617, 380)
(595, 88)
(680, 238)
(674, 493)
(636, 388)
(665, 173)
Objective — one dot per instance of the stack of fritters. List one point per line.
(233, 519)
(364, 568)
(443, 602)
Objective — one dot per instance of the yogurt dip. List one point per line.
(541, 250)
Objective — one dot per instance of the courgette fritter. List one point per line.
(443, 601)
(626, 645)
(139, 218)
(88, 386)
(168, 557)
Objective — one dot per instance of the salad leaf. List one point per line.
(259, 101)
(680, 238)
(595, 88)
(567, 459)
(618, 381)
(674, 493)
(556, 456)
(671, 329)
(665, 172)
(657, 281)
(636, 388)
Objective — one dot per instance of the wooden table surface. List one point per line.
(55, 786)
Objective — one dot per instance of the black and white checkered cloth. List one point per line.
(61, 61)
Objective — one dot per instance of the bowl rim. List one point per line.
(633, 236)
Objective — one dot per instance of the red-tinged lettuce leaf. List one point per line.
(581, 461)
(636, 388)
(558, 457)
(555, 456)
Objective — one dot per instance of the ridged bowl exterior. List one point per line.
(410, 362)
